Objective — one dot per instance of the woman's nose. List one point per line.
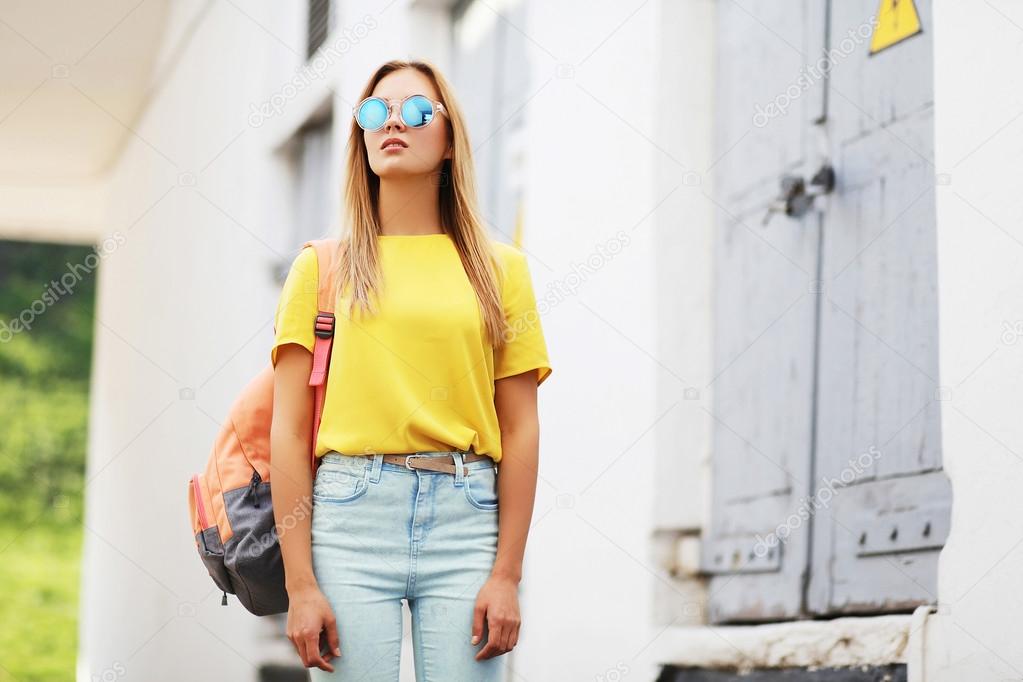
(394, 117)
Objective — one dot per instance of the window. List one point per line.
(490, 72)
(319, 25)
(311, 162)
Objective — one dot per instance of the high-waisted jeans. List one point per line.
(383, 532)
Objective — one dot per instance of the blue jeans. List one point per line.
(383, 532)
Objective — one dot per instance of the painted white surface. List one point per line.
(592, 198)
(75, 80)
(183, 320)
(72, 212)
(979, 144)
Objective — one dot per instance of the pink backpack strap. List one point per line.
(323, 328)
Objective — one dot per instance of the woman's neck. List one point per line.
(409, 205)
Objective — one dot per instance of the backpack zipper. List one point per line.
(253, 483)
(200, 506)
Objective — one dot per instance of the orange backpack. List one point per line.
(230, 503)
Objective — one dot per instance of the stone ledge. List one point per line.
(838, 643)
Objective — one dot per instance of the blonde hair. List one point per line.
(357, 264)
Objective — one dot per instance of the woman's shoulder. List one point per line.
(305, 264)
(509, 255)
(514, 273)
(305, 257)
(504, 248)
(303, 274)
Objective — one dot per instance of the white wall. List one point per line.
(184, 316)
(600, 182)
(979, 146)
(70, 213)
(684, 226)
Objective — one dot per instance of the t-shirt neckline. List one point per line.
(407, 236)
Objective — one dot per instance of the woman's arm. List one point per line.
(291, 433)
(291, 477)
(515, 400)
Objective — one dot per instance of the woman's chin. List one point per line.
(396, 171)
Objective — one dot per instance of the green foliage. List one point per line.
(42, 454)
(40, 575)
(49, 290)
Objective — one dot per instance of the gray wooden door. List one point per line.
(765, 312)
(878, 445)
(828, 494)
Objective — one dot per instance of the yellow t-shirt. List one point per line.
(419, 375)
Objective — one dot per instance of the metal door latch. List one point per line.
(795, 199)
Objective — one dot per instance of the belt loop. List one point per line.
(375, 467)
(459, 470)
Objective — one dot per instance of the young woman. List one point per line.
(429, 421)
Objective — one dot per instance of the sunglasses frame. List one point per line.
(437, 108)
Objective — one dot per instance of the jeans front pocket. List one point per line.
(481, 488)
(339, 484)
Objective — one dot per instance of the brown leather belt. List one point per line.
(433, 462)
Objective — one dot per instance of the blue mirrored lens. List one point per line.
(372, 114)
(417, 111)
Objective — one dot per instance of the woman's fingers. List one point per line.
(333, 641)
(311, 640)
(502, 636)
(506, 636)
(312, 629)
(299, 645)
(495, 636)
(478, 615)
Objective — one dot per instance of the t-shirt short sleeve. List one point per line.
(297, 306)
(525, 347)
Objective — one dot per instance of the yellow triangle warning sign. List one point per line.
(896, 21)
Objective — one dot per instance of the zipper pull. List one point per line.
(256, 480)
(223, 602)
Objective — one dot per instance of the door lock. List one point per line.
(796, 199)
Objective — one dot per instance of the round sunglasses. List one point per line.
(417, 111)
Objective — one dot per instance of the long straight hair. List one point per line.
(357, 262)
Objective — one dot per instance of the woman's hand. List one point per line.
(309, 614)
(498, 603)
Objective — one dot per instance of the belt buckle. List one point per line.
(408, 459)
